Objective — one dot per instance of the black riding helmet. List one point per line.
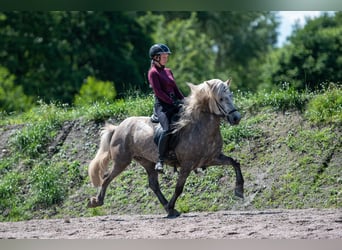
(158, 49)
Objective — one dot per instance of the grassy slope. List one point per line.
(288, 144)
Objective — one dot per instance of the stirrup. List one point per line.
(154, 118)
(159, 166)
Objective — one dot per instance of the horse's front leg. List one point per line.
(154, 183)
(170, 207)
(226, 160)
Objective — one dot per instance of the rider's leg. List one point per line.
(162, 150)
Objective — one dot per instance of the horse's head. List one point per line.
(221, 102)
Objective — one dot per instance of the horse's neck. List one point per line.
(203, 123)
(207, 117)
(208, 123)
(204, 136)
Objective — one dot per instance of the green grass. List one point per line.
(312, 180)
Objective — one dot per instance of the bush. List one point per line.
(283, 99)
(9, 188)
(33, 139)
(327, 106)
(95, 90)
(47, 186)
(12, 98)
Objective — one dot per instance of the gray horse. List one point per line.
(199, 143)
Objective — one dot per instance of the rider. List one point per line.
(167, 96)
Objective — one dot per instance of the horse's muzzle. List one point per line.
(234, 117)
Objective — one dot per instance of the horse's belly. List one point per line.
(198, 151)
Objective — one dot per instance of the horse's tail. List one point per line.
(99, 165)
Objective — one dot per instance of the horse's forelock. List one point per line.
(204, 95)
(216, 87)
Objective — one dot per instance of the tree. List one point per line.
(314, 55)
(192, 59)
(239, 36)
(51, 53)
(233, 44)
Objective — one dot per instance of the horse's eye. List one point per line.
(221, 99)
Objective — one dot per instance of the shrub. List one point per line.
(326, 107)
(9, 189)
(12, 98)
(33, 139)
(47, 186)
(283, 99)
(95, 90)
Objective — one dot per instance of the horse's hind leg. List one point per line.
(98, 201)
(170, 208)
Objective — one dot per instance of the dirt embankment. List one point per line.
(241, 224)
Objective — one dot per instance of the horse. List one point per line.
(199, 143)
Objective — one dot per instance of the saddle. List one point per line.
(174, 137)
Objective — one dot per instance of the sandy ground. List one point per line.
(268, 224)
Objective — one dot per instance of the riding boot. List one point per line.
(162, 150)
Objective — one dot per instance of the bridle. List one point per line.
(224, 113)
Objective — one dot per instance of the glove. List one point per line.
(177, 103)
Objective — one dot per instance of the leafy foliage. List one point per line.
(94, 90)
(12, 97)
(33, 139)
(47, 186)
(51, 53)
(192, 58)
(283, 99)
(242, 39)
(326, 107)
(314, 55)
(214, 44)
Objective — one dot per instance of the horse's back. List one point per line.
(135, 135)
(135, 126)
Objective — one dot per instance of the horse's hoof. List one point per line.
(174, 214)
(160, 171)
(239, 193)
(93, 202)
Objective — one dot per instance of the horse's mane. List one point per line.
(201, 99)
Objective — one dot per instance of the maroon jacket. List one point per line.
(163, 84)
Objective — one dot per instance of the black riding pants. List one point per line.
(164, 112)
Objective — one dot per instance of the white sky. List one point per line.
(288, 19)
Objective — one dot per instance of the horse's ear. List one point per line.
(228, 82)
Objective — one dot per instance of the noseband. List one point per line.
(224, 113)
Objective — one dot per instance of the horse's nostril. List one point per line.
(237, 118)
